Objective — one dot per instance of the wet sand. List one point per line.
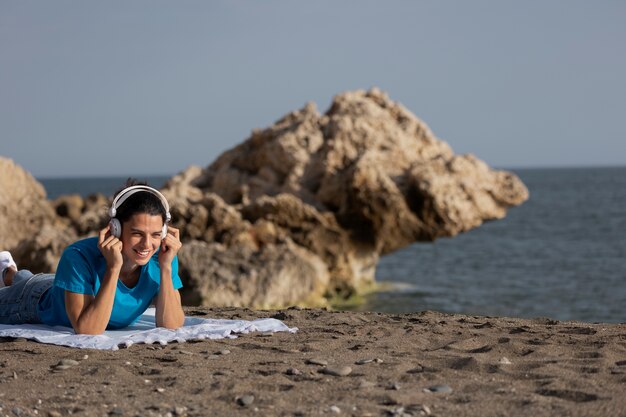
(338, 363)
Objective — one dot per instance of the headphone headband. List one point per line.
(127, 192)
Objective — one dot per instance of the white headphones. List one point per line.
(116, 226)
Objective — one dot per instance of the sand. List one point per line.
(338, 363)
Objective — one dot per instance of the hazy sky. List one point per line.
(114, 88)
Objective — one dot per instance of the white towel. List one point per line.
(143, 331)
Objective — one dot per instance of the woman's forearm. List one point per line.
(93, 317)
(169, 311)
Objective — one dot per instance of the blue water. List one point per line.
(85, 186)
(559, 255)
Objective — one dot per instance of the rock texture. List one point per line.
(41, 251)
(274, 275)
(24, 209)
(360, 181)
(300, 211)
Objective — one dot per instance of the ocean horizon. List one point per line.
(559, 255)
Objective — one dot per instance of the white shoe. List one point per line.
(6, 260)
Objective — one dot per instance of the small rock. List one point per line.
(68, 362)
(293, 371)
(116, 411)
(185, 352)
(335, 409)
(281, 315)
(160, 390)
(14, 375)
(17, 411)
(180, 411)
(54, 413)
(366, 384)
(315, 361)
(223, 352)
(61, 367)
(505, 361)
(410, 411)
(342, 371)
(366, 361)
(417, 370)
(395, 387)
(245, 400)
(439, 389)
(398, 412)
(85, 357)
(425, 411)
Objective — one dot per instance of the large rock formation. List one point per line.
(301, 210)
(37, 230)
(362, 180)
(24, 209)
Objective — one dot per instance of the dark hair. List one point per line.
(141, 202)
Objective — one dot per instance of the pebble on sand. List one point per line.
(366, 384)
(368, 360)
(439, 389)
(293, 371)
(316, 361)
(409, 411)
(245, 400)
(341, 371)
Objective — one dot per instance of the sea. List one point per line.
(560, 255)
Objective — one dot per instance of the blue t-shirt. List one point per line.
(81, 269)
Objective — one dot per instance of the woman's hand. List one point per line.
(169, 312)
(169, 246)
(111, 248)
(90, 314)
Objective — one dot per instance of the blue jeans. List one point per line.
(18, 302)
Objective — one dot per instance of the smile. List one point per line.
(143, 253)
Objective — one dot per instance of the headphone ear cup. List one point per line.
(164, 231)
(115, 228)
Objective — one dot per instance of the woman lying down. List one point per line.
(108, 281)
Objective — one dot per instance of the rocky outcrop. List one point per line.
(271, 276)
(24, 209)
(41, 252)
(360, 181)
(85, 216)
(301, 210)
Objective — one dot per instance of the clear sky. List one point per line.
(115, 88)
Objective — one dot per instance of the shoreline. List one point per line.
(425, 363)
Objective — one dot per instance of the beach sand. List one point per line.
(396, 364)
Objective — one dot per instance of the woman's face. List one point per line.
(141, 237)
